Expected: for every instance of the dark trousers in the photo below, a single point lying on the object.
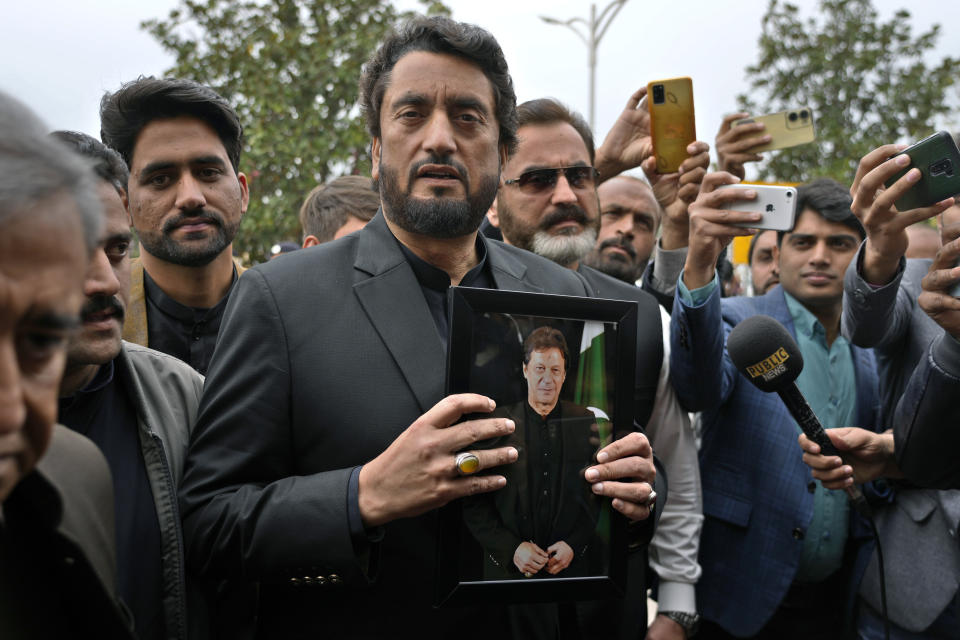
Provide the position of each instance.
(811, 611)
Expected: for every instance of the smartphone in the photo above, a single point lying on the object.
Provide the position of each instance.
(672, 125)
(777, 204)
(938, 159)
(786, 129)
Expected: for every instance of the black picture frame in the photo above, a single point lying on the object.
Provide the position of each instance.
(487, 329)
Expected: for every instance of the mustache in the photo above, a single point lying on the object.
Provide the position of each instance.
(438, 160)
(563, 214)
(99, 303)
(201, 215)
(622, 243)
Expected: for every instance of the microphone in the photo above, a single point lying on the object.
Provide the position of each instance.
(768, 356)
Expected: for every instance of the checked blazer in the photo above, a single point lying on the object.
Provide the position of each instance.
(757, 492)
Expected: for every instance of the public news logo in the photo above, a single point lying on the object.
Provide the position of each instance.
(770, 367)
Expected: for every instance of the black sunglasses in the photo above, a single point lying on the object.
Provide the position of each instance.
(541, 180)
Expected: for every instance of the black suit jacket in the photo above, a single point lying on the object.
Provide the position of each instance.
(502, 520)
(57, 548)
(324, 358)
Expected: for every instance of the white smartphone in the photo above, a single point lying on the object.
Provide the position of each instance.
(777, 204)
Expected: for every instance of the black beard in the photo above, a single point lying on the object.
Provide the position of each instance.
(438, 217)
(162, 245)
(615, 267)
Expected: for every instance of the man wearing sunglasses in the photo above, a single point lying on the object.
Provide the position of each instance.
(548, 204)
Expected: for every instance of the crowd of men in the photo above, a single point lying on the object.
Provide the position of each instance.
(193, 450)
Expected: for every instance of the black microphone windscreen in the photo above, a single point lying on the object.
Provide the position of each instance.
(765, 352)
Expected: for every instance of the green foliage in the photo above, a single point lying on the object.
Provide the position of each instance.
(868, 82)
(291, 69)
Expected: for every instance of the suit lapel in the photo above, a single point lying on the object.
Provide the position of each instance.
(393, 301)
(507, 271)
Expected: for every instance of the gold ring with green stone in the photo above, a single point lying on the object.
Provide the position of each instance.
(467, 463)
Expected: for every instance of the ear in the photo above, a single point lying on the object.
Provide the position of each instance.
(492, 216)
(375, 158)
(244, 192)
(503, 160)
(310, 241)
(126, 206)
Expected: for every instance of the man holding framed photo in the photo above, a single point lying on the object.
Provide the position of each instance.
(324, 442)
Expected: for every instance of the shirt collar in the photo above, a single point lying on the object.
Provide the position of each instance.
(173, 308)
(437, 279)
(804, 321)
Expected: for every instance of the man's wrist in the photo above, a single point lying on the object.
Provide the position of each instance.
(878, 268)
(696, 277)
(674, 235)
(690, 622)
(607, 167)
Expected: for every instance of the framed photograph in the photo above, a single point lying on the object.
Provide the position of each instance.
(562, 368)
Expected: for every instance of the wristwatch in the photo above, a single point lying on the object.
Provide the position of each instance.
(689, 621)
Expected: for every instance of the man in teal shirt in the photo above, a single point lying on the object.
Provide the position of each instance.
(774, 540)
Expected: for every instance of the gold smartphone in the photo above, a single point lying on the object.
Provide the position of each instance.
(672, 123)
(786, 129)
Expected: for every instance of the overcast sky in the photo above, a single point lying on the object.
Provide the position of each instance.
(60, 56)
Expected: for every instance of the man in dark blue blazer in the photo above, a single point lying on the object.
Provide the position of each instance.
(773, 540)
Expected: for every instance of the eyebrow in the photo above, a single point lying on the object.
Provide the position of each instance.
(163, 165)
(543, 167)
(467, 102)
(409, 99)
(125, 236)
(836, 236)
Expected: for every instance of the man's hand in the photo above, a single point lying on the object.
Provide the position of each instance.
(873, 204)
(734, 144)
(868, 456)
(628, 143)
(675, 191)
(631, 459)
(663, 628)
(529, 558)
(561, 555)
(711, 227)
(935, 299)
(417, 472)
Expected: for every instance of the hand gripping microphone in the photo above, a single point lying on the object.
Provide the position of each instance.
(768, 356)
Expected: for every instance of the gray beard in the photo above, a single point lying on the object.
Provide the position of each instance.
(564, 249)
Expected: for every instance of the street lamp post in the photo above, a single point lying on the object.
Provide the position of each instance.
(595, 29)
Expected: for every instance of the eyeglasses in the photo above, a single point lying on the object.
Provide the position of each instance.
(543, 180)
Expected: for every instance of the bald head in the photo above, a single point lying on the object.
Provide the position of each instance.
(629, 219)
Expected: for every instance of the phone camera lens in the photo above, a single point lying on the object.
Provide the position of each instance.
(804, 114)
(793, 116)
(658, 94)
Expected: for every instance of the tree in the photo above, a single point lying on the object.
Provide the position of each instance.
(291, 69)
(866, 81)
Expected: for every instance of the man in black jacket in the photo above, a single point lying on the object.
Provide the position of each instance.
(324, 442)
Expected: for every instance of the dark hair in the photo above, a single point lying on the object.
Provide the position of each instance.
(35, 168)
(548, 111)
(107, 163)
(327, 206)
(124, 113)
(831, 200)
(544, 338)
(753, 245)
(439, 34)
